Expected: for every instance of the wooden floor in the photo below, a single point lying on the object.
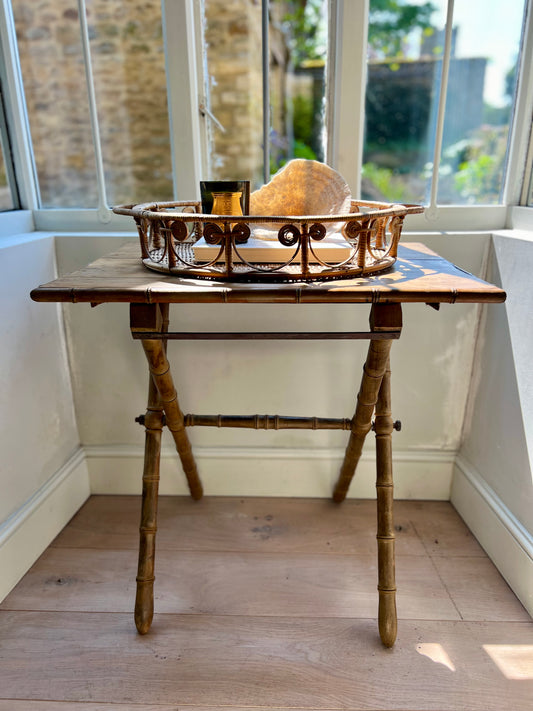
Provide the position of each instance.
(263, 603)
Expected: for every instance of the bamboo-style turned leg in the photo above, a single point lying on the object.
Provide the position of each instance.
(373, 370)
(387, 619)
(153, 422)
(144, 600)
(150, 318)
(162, 400)
(383, 317)
(162, 377)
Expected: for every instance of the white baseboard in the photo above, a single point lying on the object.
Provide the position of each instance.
(241, 471)
(27, 532)
(506, 541)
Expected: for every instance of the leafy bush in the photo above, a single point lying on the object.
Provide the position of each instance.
(386, 184)
(471, 170)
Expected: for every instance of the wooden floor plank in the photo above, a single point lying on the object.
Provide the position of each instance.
(273, 597)
(440, 529)
(224, 661)
(25, 705)
(479, 591)
(231, 584)
(234, 524)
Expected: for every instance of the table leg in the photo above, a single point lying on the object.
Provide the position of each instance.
(383, 318)
(162, 377)
(387, 619)
(144, 600)
(374, 368)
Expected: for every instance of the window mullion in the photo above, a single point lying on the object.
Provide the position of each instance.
(202, 94)
(7, 154)
(182, 33)
(265, 52)
(441, 113)
(346, 84)
(16, 113)
(104, 212)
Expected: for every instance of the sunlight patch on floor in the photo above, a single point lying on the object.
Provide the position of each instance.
(436, 653)
(515, 661)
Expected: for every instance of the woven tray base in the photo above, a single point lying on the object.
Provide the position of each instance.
(158, 262)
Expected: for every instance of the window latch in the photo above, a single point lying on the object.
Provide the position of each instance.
(204, 111)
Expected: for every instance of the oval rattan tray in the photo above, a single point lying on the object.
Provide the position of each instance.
(176, 238)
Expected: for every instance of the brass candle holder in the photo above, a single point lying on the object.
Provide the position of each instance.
(226, 203)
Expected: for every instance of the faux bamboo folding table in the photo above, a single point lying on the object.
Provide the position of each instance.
(419, 275)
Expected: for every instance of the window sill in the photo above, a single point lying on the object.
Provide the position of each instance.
(457, 219)
(16, 222)
(521, 218)
(451, 219)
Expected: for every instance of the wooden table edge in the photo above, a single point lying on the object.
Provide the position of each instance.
(45, 294)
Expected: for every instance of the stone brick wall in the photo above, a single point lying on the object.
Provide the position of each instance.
(129, 77)
(233, 37)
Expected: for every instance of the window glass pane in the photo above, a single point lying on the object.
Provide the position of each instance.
(482, 84)
(405, 46)
(128, 61)
(403, 66)
(298, 40)
(130, 85)
(6, 196)
(298, 46)
(54, 82)
(233, 45)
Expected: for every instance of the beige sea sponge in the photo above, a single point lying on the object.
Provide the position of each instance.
(303, 187)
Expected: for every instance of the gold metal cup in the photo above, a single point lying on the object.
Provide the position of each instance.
(226, 203)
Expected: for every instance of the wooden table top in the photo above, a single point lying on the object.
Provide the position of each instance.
(419, 275)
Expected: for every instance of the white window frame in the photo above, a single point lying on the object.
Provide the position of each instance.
(189, 128)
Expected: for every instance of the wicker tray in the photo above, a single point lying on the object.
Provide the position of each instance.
(168, 232)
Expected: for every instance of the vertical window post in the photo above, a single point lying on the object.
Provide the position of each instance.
(346, 85)
(519, 165)
(104, 213)
(266, 89)
(431, 210)
(181, 35)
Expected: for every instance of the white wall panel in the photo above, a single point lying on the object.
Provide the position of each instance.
(500, 417)
(38, 431)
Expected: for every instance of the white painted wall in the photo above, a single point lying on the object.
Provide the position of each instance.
(38, 432)
(493, 482)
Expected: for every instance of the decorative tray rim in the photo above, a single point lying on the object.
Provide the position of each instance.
(371, 232)
(158, 210)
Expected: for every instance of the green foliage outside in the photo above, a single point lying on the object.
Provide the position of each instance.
(302, 124)
(305, 30)
(471, 170)
(479, 172)
(391, 21)
(388, 184)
